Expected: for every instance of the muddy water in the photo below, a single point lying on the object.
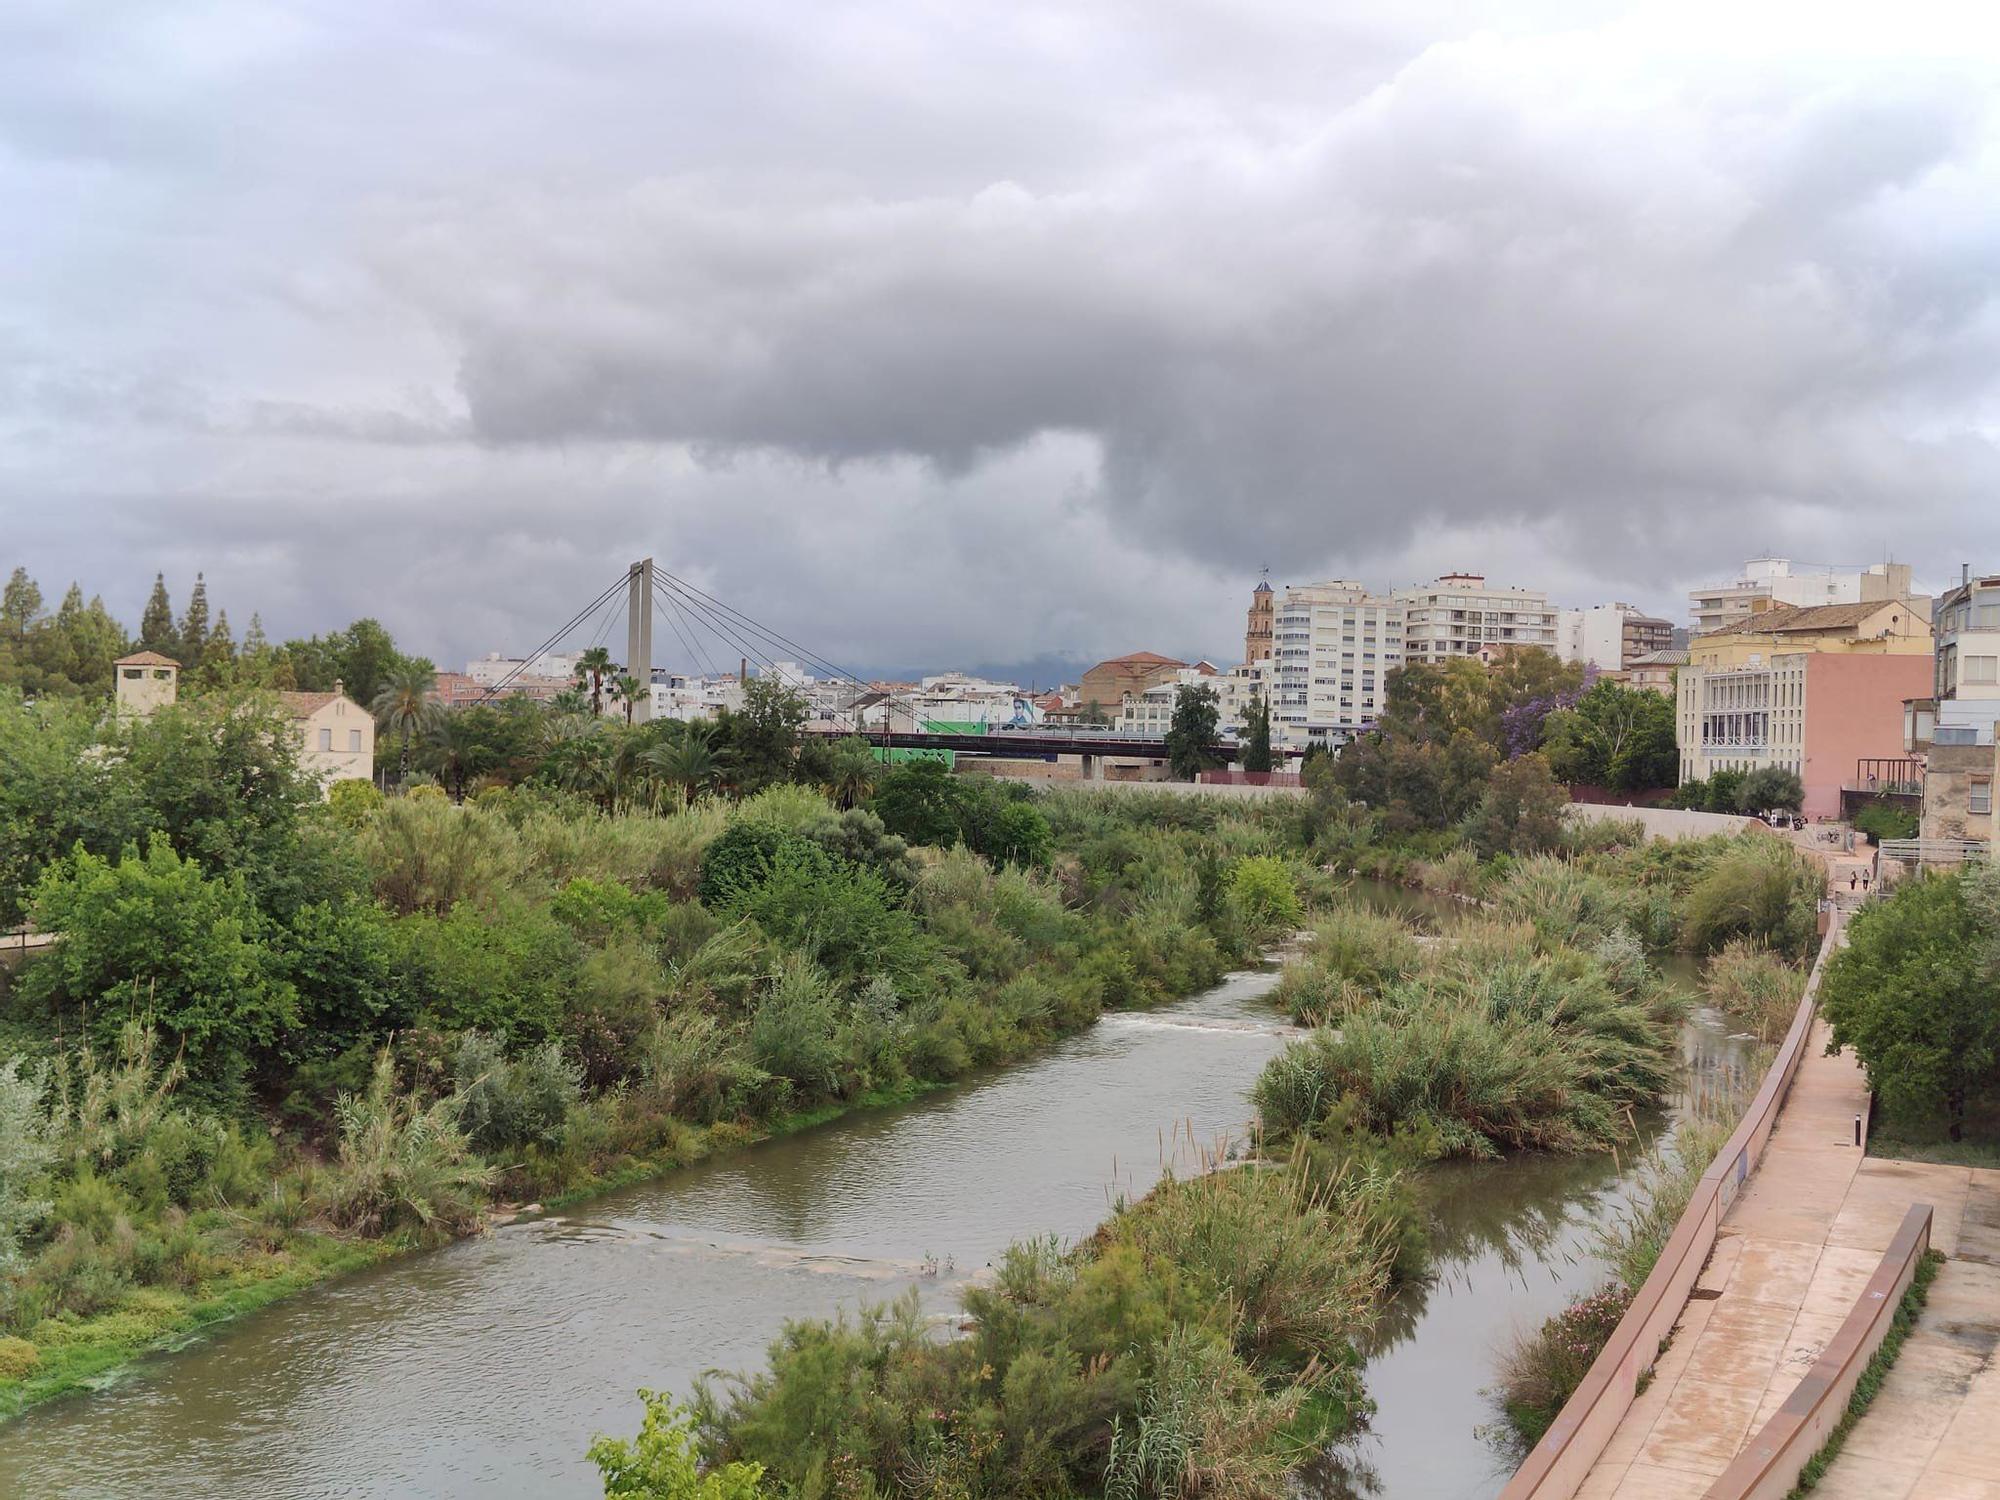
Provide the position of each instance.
(485, 1369)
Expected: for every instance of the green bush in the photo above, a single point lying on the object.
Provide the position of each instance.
(794, 1032)
(506, 1104)
(1262, 896)
(403, 1164)
(1544, 1368)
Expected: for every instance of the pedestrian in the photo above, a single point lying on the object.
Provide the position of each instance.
(1864, 883)
(1853, 880)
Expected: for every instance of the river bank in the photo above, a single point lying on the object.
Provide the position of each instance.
(485, 1368)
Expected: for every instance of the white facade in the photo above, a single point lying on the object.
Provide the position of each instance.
(1609, 636)
(1151, 713)
(1461, 614)
(1783, 581)
(551, 666)
(1742, 718)
(1968, 642)
(1333, 646)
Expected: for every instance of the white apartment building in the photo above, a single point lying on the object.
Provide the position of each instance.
(1333, 646)
(551, 666)
(1152, 712)
(1783, 581)
(1610, 637)
(1461, 614)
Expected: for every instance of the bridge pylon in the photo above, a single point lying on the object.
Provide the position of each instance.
(639, 637)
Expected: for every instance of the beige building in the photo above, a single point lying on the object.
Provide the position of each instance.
(1655, 671)
(1106, 685)
(1808, 690)
(1952, 733)
(1461, 614)
(146, 681)
(336, 735)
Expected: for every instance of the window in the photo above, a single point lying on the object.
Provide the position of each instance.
(326, 739)
(1980, 668)
(135, 672)
(1979, 800)
(354, 742)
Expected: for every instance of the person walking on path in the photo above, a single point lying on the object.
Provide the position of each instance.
(1853, 879)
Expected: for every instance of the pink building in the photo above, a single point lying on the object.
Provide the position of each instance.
(1853, 711)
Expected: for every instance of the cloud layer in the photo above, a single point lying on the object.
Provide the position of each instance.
(974, 333)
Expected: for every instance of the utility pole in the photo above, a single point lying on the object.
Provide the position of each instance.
(639, 637)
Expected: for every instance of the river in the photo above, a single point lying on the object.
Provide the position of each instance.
(484, 1369)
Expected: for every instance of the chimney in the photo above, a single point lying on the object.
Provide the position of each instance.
(1964, 574)
(339, 688)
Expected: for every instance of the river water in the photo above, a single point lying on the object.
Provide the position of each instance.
(484, 1369)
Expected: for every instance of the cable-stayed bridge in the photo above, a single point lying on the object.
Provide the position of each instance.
(710, 630)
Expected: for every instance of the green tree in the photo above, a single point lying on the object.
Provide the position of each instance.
(1521, 811)
(150, 938)
(625, 689)
(854, 769)
(362, 659)
(664, 1463)
(762, 739)
(683, 760)
(1192, 731)
(1914, 994)
(218, 657)
(1616, 737)
(1770, 787)
(156, 625)
(593, 669)
(192, 636)
(20, 607)
(1257, 735)
(919, 801)
(404, 707)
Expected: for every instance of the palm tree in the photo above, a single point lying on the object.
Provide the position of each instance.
(625, 688)
(851, 776)
(454, 743)
(685, 759)
(404, 706)
(591, 669)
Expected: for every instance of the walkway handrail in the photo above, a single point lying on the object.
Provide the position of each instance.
(1770, 1463)
(1558, 1463)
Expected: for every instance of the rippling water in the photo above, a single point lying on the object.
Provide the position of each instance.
(485, 1369)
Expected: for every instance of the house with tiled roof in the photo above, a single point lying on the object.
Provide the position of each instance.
(336, 735)
(145, 681)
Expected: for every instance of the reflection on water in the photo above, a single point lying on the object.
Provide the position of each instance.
(1514, 1243)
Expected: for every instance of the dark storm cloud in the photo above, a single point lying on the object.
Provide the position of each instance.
(1053, 322)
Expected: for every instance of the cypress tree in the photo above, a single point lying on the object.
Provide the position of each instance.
(194, 626)
(156, 625)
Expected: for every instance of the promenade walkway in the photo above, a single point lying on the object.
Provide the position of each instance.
(1794, 1250)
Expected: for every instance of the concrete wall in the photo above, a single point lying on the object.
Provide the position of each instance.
(1854, 710)
(1667, 822)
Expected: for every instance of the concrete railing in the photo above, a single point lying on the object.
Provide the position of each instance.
(1769, 1465)
(1558, 1463)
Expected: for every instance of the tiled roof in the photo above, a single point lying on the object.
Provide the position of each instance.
(305, 705)
(1143, 659)
(1661, 659)
(145, 659)
(1787, 619)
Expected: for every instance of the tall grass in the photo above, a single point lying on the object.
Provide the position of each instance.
(1489, 1041)
(1755, 986)
(1353, 953)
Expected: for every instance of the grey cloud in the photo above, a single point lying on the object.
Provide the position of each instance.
(1050, 324)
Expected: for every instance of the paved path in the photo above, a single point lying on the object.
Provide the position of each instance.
(1795, 1249)
(1933, 1431)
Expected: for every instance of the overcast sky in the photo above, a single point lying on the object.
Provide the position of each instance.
(941, 332)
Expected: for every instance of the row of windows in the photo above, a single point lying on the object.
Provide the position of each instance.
(353, 741)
